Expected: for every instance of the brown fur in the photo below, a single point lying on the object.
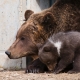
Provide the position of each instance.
(64, 15)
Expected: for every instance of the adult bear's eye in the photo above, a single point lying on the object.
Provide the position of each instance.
(22, 38)
(48, 62)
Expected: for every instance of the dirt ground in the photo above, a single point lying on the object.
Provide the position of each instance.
(20, 75)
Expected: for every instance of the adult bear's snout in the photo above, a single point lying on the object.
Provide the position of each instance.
(8, 53)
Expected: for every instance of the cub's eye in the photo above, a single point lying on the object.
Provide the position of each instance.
(22, 38)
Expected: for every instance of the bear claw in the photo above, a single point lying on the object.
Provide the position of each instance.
(32, 71)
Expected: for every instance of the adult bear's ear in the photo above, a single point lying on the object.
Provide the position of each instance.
(48, 21)
(27, 14)
(48, 16)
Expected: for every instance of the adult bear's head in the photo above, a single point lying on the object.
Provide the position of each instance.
(35, 30)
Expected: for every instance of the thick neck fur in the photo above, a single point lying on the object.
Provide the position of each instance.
(66, 14)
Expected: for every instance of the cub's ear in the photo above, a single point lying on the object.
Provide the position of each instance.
(48, 21)
(47, 49)
(27, 14)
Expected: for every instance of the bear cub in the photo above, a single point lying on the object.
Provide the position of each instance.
(63, 46)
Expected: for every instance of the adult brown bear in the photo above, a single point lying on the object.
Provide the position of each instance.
(64, 15)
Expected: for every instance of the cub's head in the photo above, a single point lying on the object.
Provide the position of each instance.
(48, 55)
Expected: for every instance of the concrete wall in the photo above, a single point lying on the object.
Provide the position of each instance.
(11, 17)
(10, 21)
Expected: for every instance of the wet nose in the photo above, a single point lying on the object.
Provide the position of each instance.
(8, 53)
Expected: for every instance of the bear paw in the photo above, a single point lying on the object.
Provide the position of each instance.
(32, 69)
(36, 67)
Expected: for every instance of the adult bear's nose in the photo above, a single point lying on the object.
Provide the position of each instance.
(8, 53)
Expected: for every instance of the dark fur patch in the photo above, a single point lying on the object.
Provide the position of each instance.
(69, 52)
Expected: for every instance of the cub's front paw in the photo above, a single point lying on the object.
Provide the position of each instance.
(56, 71)
(72, 71)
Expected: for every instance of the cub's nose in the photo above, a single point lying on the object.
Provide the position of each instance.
(8, 53)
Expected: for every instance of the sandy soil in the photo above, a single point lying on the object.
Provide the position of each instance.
(20, 75)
